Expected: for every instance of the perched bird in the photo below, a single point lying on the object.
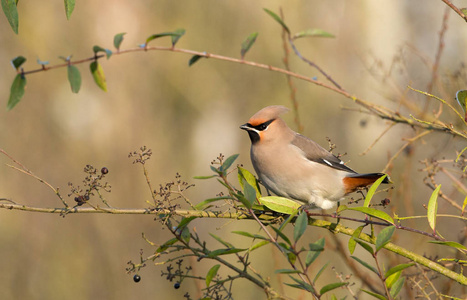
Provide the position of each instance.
(293, 166)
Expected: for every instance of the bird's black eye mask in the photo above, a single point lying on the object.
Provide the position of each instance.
(262, 126)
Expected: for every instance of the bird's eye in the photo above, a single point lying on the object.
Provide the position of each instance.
(262, 127)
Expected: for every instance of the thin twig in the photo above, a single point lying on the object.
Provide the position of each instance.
(456, 9)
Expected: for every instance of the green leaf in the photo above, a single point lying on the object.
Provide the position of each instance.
(397, 268)
(464, 205)
(247, 234)
(461, 96)
(219, 252)
(288, 220)
(371, 212)
(211, 274)
(384, 237)
(244, 174)
(278, 19)
(303, 285)
(194, 59)
(396, 287)
(365, 264)
(433, 208)
(372, 190)
(331, 286)
(180, 32)
(282, 235)
(311, 256)
(320, 272)
(18, 61)
(312, 33)
(227, 244)
(389, 281)
(315, 247)
(258, 245)
(98, 75)
(184, 222)
(286, 271)
(74, 77)
(250, 193)
(247, 43)
(204, 177)
(69, 7)
(301, 223)
(185, 235)
(228, 162)
(381, 297)
(244, 201)
(118, 39)
(98, 49)
(202, 204)
(16, 91)
(11, 13)
(365, 246)
(450, 244)
(166, 245)
(159, 35)
(280, 204)
(352, 241)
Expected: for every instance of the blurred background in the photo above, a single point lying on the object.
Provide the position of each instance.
(188, 115)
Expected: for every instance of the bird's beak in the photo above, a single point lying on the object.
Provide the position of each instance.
(245, 127)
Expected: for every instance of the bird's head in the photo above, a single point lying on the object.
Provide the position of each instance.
(266, 125)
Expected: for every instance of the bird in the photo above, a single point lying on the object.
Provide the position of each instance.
(293, 166)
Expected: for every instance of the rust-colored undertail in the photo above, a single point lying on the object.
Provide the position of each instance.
(356, 181)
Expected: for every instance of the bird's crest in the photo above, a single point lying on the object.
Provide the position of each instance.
(268, 113)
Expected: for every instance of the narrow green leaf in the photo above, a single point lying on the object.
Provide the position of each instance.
(228, 162)
(194, 59)
(278, 19)
(247, 43)
(311, 256)
(304, 285)
(98, 75)
(166, 245)
(244, 174)
(396, 287)
(282, 235)
(433, 208)
(464, 205)
(227, 244)
(389, 281)
(118, 39)
(214, 169)
(312, 33)
(292, 257)
(397, 268)
(11, 13)
(280, 204)
(185, 235)
(69, 7)
(365, 264)
(202, 204)
(250, 192)
(381, 297)
(372, 191)
(98, 49)
(352, 241)
(159, 35)
(211, 274)
(365, 246)
(331, 286)
(301, 223)
(204, 177)
(244, 201)
(288, 220)
(250, 235)
(74, 77)
(219, 252)
(18, 61)
(16, 91)
(371, 212)
(450, 244)
(384, 237)
(180, 32)
(315, 247)
(184, 222)
(461, 96)
(258, 245)
(286, 271)
(320, 272)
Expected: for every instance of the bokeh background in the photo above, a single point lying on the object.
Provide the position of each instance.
(188, 115)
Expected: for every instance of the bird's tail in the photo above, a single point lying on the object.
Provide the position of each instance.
(353, 182)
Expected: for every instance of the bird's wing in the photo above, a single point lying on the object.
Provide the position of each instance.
(316, 153)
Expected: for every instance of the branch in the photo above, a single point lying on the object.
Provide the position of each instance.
(456, 9)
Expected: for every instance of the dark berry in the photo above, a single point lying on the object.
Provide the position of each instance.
(177, 285)
(136, 278)
(76, 199)
(86, 197)
(104, 170)
(385, 201)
